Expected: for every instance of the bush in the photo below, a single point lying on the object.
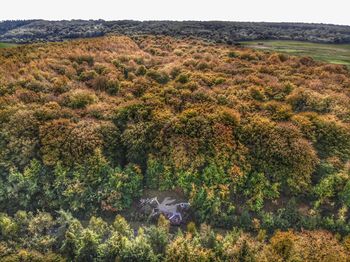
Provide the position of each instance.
(183, 78)
(284, 244)
(88, 75)
(102, 83)
(83, 58)
(308, 100)
(159, 77)
(184, 248)
(333, 138)
(141, 70)
(68, 142)
(8, 227)
(232, 54)
(137, 249)
(79, 98)
(281, 151)
(279, 111)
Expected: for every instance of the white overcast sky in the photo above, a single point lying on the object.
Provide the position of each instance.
(318, 11)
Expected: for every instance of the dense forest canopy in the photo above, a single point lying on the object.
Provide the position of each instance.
(28, 31)
(255, 140)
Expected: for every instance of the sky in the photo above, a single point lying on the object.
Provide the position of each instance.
(310, 11)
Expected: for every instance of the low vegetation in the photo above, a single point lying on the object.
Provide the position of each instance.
(40, 237)
(254, 140)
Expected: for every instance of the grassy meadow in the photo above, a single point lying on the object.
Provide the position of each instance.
(330, 53)
(4, 45)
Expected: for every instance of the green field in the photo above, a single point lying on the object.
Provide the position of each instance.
(331, 53)
(3, 45)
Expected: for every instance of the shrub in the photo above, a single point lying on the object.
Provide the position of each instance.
(68, 142)
(102, 83)
(141, 70)
(83, 58)
(137, 249)
(159, 77)
(183, 78)
(333, 137)
(202, 66)
(88, 75)
(280, 150)
(278, 111)
(232, 54)
(307, 100)
(248, 56)
(8, 227)
(284, 244)
(79, 98)
(184, 248)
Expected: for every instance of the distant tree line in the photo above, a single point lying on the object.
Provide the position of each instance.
(215, 31)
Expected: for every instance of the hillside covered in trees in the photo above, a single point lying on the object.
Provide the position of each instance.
(256, 141)
(28, 31)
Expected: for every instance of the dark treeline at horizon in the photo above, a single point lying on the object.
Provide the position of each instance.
(28, 31)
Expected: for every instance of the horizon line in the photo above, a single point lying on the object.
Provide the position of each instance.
(162, 20)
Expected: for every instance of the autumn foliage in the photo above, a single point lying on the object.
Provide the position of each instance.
(252, 138)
